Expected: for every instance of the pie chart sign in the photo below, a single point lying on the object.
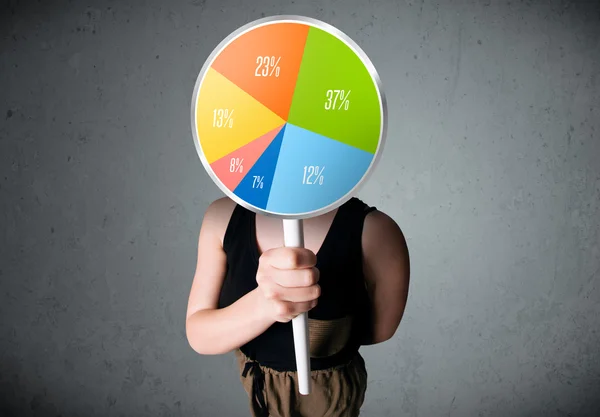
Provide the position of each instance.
(288, 116)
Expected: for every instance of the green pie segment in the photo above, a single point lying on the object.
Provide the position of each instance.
(335, 95)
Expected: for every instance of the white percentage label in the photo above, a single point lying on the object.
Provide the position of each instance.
(258, 182)
(313, 175)
(267, 66)
(222, 118)
(337, 99)
(235, 165)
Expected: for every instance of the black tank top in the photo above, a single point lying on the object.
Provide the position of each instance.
(343, 291)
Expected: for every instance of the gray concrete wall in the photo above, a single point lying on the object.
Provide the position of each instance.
(492, 169)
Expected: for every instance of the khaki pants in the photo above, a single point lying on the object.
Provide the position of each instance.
(336, 392)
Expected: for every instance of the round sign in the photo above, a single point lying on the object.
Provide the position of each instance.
(288, 116)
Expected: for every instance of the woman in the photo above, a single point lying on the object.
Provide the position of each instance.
(352, 278)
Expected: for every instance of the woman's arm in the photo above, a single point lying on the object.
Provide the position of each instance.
(386, 267)
(210, 330)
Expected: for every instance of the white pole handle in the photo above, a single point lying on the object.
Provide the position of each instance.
(293, 236)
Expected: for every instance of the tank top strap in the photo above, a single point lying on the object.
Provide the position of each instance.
(346, 235)
(239, 226)
(357, 210)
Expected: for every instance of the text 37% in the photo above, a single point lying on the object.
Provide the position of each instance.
(337, 100)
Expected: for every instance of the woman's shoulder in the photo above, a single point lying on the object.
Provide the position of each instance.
(217, 216)
(377, 223)
(223, 206)
(380, 229)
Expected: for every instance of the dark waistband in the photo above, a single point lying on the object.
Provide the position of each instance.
(316, 364)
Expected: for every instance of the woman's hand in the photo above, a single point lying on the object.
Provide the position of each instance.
(287, 281)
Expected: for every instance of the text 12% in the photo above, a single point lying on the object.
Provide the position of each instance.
(313, 175)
